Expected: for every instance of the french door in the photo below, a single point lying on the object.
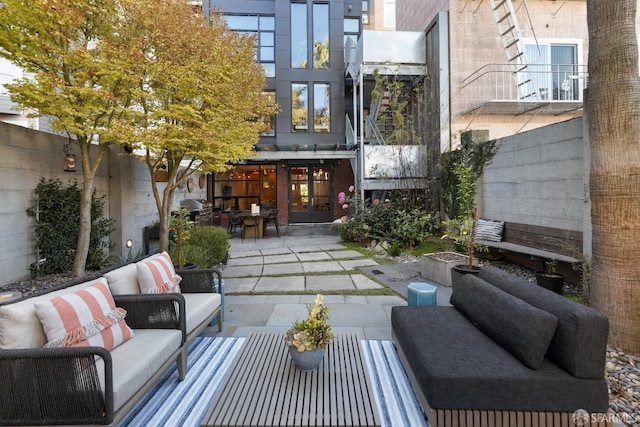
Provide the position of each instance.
(310, 193)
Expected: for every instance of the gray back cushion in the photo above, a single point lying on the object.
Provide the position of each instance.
(580, 343)
(520, 328)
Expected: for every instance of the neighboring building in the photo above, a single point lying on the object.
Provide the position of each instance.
(500, 67)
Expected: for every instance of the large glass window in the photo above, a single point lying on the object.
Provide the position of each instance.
(321, 107)
(299, 107)
(270, 120)
(351, 30)
(320, 35)
(299, 47)
(263, 28)
(554, 70)
(243, 185)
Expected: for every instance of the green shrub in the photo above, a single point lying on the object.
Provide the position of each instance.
(411, 228)
(57, 214)
(355, 230)
(205, 247)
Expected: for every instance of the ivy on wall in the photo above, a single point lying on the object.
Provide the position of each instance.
(57, 214)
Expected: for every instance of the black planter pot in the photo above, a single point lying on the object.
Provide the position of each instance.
(551, 281)
(464, 269)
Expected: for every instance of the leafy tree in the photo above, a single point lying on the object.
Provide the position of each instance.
(199, 94)
(59, 44)
(613, 110)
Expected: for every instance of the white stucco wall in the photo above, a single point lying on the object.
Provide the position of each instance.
(537, 178)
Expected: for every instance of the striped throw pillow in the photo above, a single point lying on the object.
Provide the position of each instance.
(489, 230)
(88, 317)
(156, 275)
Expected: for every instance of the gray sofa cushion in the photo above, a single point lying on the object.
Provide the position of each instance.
(457, 366)
(522, 329)
(580, 342)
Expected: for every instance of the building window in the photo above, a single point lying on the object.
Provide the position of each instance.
(263, 28)
(299, 107)
(270, 119)
(243, 185)
(321, 107)
(351, 30)
(365, 12)
(321, 55)
(390, 13)
(554, 71)
(299, 47)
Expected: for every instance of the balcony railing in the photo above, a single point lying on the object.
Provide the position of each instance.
(537, 88)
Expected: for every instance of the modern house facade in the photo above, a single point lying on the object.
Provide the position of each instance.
(302, 162)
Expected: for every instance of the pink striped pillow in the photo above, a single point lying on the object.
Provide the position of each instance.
(156, 275)
(88, 317)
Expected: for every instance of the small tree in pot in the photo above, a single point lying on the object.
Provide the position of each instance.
(549, 278)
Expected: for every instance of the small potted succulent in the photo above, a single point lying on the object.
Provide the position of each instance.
(307, 339)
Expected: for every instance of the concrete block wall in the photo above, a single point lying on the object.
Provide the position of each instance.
(538, 178)
(27, 155)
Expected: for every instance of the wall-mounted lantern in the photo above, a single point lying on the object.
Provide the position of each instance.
(69, 158)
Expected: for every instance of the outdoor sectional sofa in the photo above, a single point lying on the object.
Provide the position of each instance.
(508, 352)
(91, 382)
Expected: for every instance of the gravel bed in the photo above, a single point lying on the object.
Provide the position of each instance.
(623, 370)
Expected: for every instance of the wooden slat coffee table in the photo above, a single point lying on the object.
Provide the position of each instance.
(263, 388)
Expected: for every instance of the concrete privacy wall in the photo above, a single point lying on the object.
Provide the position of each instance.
(538, 177)
(28, 155)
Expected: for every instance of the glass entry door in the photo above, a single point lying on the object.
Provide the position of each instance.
(310, 193)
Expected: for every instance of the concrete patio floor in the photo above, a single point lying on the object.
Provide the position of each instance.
(309, 258)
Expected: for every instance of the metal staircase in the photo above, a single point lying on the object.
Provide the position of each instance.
(511, 36)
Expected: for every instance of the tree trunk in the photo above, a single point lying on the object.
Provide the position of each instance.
(84, 228)
(613, 113)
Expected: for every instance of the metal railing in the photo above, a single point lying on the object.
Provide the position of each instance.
(546, 83)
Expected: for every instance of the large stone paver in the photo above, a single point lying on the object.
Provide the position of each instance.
(329, 282)
(313, 256)
(345, 254)
(279, 259)
(322, 266)
(282, 284)
(285, 314)
(244, 253)
(302, 249)
(240, 285)
(277, 269)
(360, 315)
(242, 271)
(361, 281)
(252, 260)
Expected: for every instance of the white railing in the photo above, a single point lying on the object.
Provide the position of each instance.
(498, 83)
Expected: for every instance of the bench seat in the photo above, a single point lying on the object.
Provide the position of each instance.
(527, 250)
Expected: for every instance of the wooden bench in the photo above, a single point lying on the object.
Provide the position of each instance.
(532, 246)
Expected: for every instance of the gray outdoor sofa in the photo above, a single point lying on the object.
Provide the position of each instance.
(507, 353)
(90, 385)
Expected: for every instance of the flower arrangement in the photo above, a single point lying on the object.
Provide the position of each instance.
(313, 332)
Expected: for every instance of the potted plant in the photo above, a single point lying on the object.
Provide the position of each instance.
(307, 339)
(469, 267)
(549, 278)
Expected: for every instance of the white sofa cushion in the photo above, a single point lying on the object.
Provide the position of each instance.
(124, 280)
(138, 359)
(20, 326)
(198, 307)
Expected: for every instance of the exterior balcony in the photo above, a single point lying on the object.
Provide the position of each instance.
(535, 89)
